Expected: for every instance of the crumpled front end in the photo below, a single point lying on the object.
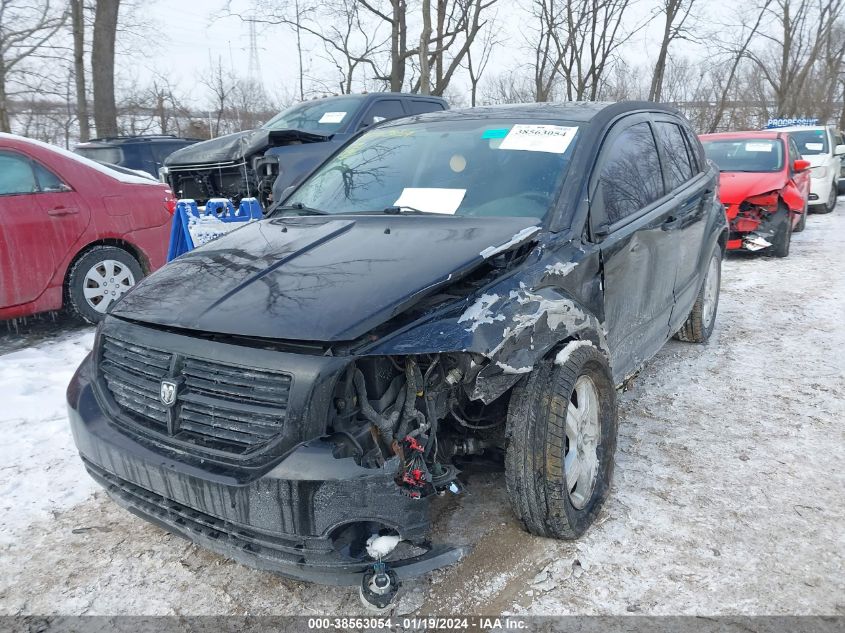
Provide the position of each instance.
(236, 462)
(754, 222)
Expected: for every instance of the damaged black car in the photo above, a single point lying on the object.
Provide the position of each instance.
(262, 163)
(468, 283)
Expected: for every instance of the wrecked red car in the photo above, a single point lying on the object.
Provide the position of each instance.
(764, 184)
(73, 232)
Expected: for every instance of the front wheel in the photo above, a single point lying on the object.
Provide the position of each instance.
(561, 432)
(832, 199)
(802, 223)
(783, 238)
(99, 278)
(702, 318)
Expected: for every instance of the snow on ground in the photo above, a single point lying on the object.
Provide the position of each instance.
(39, 470)
(727, 497)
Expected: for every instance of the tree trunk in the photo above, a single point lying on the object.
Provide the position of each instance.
(78, 22)
(5, 123)
(102, 67)
(425, 36)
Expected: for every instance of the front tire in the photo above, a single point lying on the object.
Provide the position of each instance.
(98, 279)
(783, 238)
(802, 223)
(561, 430)
(832, 198)
(702, 318)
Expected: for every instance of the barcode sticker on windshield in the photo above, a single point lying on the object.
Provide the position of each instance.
(539, 138)
(758, 147)
(431, 199)
(332, 117)
(814, 147)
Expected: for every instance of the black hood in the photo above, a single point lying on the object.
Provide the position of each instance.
(237, 146)
(316, 278)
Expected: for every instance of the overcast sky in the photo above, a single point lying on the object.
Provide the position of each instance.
(181, 36)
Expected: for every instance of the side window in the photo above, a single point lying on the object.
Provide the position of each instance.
(630, 178)
(47, 180)
(696, 155)
(674, 150)
(16, 175)
(794, 152)
(382, 111)
(421, 107)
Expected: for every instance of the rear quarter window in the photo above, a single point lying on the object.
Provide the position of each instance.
(421, 107)
(102, 154)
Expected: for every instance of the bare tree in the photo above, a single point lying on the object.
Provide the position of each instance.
(799, 34)
(675, 26)
(102, 66)
(25, 27)
(77, 12)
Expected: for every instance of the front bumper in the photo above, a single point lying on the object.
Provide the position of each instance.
(293, 519)
(819, 190)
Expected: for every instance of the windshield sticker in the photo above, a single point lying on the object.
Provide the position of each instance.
(758, 147)
(332, 117)
(431, 200)
(495, 133)
(539, 138)
(816, 147)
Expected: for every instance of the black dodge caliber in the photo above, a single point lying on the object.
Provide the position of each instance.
(293, 394)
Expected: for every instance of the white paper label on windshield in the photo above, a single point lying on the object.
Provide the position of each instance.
(539, 138)
(815, 147)
(759, 147)
(332, 117)
(432, 200)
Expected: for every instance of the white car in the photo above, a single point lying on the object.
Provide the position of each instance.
(818, 144)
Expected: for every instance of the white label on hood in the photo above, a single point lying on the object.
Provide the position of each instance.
(432, 200)
(332, 117)
(759, 147)
(539, 138)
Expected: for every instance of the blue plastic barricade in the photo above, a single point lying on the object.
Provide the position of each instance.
(194, 226)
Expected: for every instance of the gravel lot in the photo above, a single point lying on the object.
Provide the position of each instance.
(728, 497)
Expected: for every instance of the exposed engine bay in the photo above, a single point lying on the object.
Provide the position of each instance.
(418, 409)
(198, 172)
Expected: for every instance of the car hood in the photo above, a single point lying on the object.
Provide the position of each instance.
(318, 278)
(236, 147)
(734, 187)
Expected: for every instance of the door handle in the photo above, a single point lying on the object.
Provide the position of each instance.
(61, 210)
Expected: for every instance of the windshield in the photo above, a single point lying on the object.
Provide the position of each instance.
(810, 141)
(324, 116)
(468, 167)
(764, 155)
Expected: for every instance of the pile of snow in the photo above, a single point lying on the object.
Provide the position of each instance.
(41, 471)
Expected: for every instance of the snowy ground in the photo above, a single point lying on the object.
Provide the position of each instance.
(728, 497)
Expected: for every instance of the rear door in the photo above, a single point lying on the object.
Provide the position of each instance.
(629, 214)
(693, 193)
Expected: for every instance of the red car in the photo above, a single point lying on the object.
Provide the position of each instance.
(764, 185)
(74, 232)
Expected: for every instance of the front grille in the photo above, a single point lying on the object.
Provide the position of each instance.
(286, 548)
(220, 406)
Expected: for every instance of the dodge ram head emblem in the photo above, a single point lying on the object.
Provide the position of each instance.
(167, 395)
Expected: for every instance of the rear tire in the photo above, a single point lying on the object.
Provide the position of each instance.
(702, 318)
(98, 278)
(560, 451)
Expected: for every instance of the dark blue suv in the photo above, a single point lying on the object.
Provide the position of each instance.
(141, 153)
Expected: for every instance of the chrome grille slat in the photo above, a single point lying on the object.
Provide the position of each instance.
(223, 406)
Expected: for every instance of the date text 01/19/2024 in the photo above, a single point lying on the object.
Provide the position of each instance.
(422, 623)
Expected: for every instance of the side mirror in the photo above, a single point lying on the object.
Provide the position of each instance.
(839, 151)
(804, 165)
